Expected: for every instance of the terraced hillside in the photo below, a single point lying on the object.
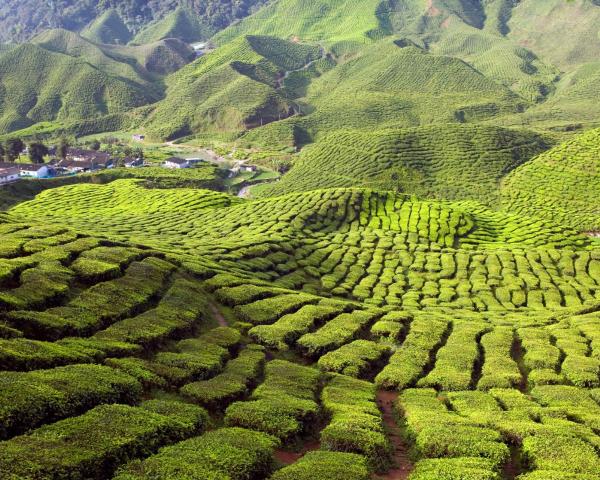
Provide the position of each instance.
(235, 88)
(63, 77)
(165, 328)
(451, 162)
(382, 248)
(561, 184)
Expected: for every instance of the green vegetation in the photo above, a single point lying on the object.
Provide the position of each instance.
(559, 184)
(412, 291)
(108, 28)
(182, 23)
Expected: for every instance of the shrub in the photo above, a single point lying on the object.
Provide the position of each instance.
(225, 453)
(355, 359)
(356, 425)
(93, 444)
(321, 465)
(30, 399)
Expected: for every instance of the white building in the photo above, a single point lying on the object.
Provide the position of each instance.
(9, 175)
(176, 162)
(34, 170)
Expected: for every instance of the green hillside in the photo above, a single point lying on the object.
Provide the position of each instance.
(39, 85)
(451, 162)
(64, 77)
(561, 184)
(108, 28)
(341, 25)
(232, 89)
(181, 23)
(411, 292)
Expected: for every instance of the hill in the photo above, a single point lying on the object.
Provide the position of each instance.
(63, 77)
(232, 89)
(21, 20)
(108, 28)
(182, 23)
(451, 162)
(202, 322)
(561, 184)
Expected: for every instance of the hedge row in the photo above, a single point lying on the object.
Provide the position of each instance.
(101, 304)
(337, 332)
(30, 399)
(227, 453)
(541, 358)
(320, 465)
(268, 310)
(356, 359)
(292, 326)
(499, 369)
(239, 374)
(455, 361)
(25, 354)
(94, 444)
(356, 425)
(283, 406)
(438, 432)
(409, 361)
(392, 326)
(176, 314)
(198, 358)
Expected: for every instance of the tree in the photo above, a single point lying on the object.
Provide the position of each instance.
(95, 145)
(63, 148)
(37, 152)
(14, 147)
(2, 152)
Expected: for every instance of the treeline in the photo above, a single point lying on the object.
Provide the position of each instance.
(22, 19)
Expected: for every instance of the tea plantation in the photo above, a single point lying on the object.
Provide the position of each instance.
(338, 333)
(410, 292)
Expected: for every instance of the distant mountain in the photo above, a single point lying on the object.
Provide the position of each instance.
(62, 76)
(20, 20)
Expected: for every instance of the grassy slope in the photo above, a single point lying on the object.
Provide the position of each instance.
(64, 77)
(108, 28)
(39, 85)
(230, 88)
(447, 161)
(562, 184)
(181, 23)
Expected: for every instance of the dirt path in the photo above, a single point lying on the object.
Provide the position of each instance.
(218, 316)
(287, 458)
(403, 465)
(286, 74)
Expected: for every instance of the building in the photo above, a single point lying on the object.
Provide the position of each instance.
(79, 166)
(176, 162)
(248, 168)
(138, 137)
(9, 175)
(133, 162)
(80, 155)
(34, 170)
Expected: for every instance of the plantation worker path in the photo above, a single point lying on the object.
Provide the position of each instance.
(287, 73)
(400, 454)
